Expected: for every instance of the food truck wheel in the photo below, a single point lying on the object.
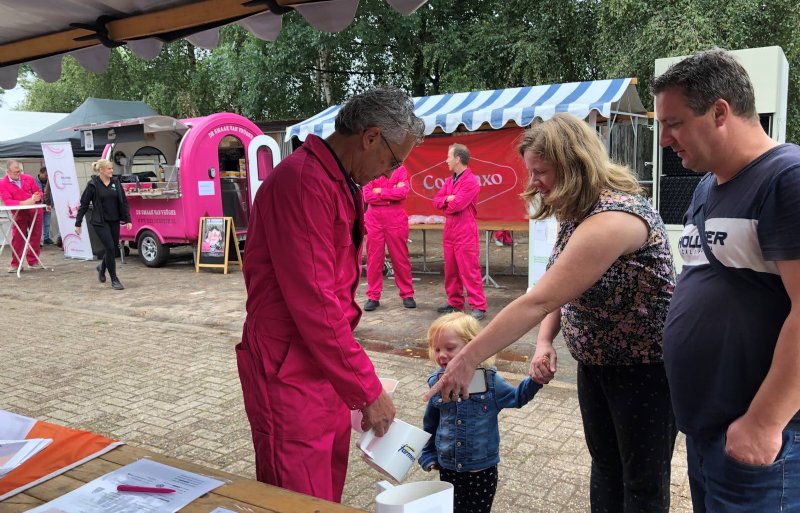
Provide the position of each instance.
(151, 251)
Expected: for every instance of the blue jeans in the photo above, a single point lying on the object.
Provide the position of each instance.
(46, 225)
(721, 484)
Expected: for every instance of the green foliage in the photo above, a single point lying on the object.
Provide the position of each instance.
(446, 46)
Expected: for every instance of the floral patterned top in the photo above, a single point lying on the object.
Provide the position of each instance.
(620, 319)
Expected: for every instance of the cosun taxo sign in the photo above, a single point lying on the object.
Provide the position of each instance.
(493, 160)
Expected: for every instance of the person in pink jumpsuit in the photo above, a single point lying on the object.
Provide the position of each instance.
(300, 367)
(387, 226)
(458, 197)
(17, 188)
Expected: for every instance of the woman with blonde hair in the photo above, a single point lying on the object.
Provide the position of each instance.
(608, 285)
(109, 210)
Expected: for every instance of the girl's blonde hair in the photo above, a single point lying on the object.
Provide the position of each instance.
(100, 164)
(464, 326)
(582, 167)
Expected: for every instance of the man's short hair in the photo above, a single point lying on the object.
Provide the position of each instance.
(11, 162)
(708, 76)
(389, 109)
(461, 153)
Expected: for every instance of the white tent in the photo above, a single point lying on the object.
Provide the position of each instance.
(18, 123)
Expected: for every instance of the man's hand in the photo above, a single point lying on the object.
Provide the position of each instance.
(400, 184)
(543, 365)
(376, 190)
(750, 443)
(48, 208)
(128, 226)
(36, 197)
(450, 198)
(77, 230)
(379, 415)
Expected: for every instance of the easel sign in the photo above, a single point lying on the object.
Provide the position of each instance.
(216, 240)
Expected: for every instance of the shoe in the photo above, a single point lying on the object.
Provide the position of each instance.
(101, 273)
(49, 242)
(13, 269)
(479, 314)
(116, 285)
(448, 308)
(371, 305)
(498, 243)
(409, 302)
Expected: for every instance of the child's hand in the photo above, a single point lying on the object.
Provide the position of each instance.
(543, 364)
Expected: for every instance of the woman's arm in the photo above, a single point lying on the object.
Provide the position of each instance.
(589, 253)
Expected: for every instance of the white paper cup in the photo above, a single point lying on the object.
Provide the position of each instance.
(419, 497)
(394, 453)
(390, 385)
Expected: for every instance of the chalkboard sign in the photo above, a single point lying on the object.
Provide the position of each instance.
(217, 244)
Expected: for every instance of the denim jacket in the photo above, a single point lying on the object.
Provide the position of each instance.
(465, 434)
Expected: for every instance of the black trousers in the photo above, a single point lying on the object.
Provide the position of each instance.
(473, 491)
(630, 431)
(108, 233)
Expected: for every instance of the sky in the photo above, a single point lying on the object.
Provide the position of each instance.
(11, 98)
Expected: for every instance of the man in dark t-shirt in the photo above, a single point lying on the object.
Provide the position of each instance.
(732, 339)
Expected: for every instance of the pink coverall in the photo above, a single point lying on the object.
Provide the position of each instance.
(462, 268)
(387, 225)
(12, 196)
(300, 367)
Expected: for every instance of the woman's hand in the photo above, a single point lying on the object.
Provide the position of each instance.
(453, 384)
(77, 230)
(543, 365)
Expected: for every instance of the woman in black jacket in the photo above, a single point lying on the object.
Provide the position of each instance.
(109, 209)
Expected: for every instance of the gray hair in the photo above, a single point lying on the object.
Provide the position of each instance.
(389, 109)
(11, 162)
(708, 76)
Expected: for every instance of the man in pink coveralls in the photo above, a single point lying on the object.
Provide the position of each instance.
(16, 189)
(301, 369)
(458, 197)
(387, 225)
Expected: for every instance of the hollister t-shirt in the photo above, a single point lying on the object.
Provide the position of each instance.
(722, 327)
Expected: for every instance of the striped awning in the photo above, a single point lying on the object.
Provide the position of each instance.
(494, 109)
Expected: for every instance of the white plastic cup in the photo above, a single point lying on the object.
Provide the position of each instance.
(394, 453)
(390, 385)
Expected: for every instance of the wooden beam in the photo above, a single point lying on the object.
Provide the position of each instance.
(134, 27)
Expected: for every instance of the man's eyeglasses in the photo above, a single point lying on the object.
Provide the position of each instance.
(395, 161)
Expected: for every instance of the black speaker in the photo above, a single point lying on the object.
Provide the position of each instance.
(675, 194)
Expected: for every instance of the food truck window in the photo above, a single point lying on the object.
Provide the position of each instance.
(147, 160)
(233, 181)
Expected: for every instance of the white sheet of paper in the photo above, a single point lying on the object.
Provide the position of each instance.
(222, 510)
(13, 426)
(205, 188)
(101, 495)
(14, 453)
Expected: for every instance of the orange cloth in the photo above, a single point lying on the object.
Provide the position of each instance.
(69, 447)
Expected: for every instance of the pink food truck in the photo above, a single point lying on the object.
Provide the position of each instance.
(176, 171)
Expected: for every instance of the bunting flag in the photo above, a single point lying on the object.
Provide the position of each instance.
(70, 448)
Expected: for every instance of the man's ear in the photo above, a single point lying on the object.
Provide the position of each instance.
(722, 112)
(370, 137)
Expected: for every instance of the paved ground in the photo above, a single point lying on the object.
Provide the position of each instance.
(154, 366)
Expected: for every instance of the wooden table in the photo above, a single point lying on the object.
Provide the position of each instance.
(238, 494)
(488, 227)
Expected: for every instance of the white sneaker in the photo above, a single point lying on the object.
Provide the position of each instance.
(498, 243)
(13, 269)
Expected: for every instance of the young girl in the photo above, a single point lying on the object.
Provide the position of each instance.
(465, 441)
